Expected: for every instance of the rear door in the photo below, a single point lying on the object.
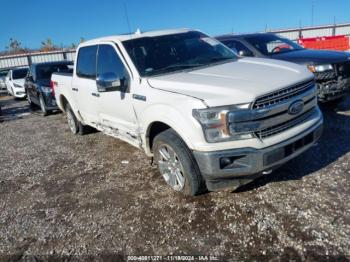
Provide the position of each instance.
(84, 89)
(115, 106)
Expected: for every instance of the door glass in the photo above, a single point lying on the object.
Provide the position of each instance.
(86, 64)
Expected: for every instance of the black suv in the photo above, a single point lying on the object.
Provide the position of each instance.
(331, 68)
(38, 84)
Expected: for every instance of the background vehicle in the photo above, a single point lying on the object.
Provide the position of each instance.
(37, 84)
(3, 74)
(15, 82)
(331, 68)
(204, 114)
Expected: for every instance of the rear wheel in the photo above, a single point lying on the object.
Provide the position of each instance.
(176, 163)
(72, 120)
(75, 126)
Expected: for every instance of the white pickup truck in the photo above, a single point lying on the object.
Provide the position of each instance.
(209, 119)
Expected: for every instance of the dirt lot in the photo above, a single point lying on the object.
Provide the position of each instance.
(94, 197)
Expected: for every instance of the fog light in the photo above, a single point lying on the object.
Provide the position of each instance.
(225, 161)
(233, 162)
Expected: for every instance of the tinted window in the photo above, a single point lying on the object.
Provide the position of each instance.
(45, 71)
(270, 44)
(236, 46)
(19, 73)
(166, 53)
(109, 64)
(3, 73)
(86, 64)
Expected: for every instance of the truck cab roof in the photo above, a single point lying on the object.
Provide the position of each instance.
(136, 35)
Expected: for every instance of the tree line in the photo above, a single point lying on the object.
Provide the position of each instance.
(15, 47)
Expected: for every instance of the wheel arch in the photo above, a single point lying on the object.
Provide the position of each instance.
(155, 128)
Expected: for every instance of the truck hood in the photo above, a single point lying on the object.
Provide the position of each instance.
(234, 82)
(310, 56)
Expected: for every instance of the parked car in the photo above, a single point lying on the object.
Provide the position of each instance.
(38, 87)
(15, 82)
(206, 116)
(3, 74)
(331, 68)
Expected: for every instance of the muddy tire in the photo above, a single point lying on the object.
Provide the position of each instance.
(176, 164)
(72, 120)
(75, 126)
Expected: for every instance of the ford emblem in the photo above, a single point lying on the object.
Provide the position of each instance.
(296, 107)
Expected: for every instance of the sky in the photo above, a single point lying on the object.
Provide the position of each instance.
(66, 21)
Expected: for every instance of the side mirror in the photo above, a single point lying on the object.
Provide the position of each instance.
(245, 53)
(108, 82)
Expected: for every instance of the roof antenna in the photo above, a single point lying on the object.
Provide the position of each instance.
(127, 17)
(130, 33)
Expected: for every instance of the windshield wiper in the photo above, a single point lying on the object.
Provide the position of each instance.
(174, 66)
(219, 59)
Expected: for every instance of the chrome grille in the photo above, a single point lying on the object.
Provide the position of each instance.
(273, 130)
(283, 94)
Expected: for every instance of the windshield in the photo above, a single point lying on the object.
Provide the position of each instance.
(19, 73)
(269, 44)
(168, 53)
(45, 71)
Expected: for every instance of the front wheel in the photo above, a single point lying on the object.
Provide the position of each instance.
(176, 163)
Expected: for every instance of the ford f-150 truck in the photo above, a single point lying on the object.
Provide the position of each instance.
(208, 118)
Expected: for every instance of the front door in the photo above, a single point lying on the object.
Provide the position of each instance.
(115, 107)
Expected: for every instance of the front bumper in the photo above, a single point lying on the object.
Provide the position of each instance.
(232, 168)
(19, 92)
(333, 89)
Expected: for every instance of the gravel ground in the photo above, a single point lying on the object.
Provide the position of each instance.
(95, 197)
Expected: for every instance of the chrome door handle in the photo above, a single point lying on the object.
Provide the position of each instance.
(75, 89)
(96, 94)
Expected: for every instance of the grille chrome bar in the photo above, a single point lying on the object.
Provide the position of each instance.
(286, 125)
(283, 94)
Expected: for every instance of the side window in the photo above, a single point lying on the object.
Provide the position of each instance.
(86, 64)
(110, 66)
(237, 46)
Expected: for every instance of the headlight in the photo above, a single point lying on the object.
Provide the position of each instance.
(320, 68)
(215, 123)
(17, 85)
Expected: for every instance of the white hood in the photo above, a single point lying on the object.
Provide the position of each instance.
(19, 82)
(235, 82)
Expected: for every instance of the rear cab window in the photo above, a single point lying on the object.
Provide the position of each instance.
(86, 63)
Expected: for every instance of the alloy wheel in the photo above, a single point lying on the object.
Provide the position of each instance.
(171, 168)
